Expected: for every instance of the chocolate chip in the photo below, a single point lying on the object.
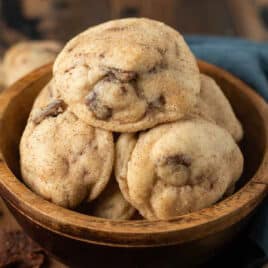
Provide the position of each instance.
(157, 103)
(72, 48)
(121, 75)
(177, 159)
(17, 250)
(153, 70)
(162, 51)
(109, 78)
(69, 69)
(91, 97)
(102, 55)
(98, 109)
(52, 109)
(211, 185)
(123, 89)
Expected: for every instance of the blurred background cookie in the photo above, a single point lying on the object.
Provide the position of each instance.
(63, 159)
(24, 57)
(178, 168)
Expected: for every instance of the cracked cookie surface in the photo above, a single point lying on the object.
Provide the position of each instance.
(127, 75)
(63, 159)
(214, 105)
(24, 57)
(177, 168)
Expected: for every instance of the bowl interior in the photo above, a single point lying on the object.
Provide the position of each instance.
(16, 104)
(252, 145)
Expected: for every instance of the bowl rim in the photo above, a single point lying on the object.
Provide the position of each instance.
(139, 233)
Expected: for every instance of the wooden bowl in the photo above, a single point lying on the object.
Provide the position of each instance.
(79, 240)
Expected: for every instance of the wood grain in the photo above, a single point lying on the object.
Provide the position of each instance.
(62, 19)
(7, 222)
(189, 16)
(204, 17)
(157, 9)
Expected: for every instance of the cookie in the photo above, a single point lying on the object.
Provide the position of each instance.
(111, 204)
(177, 168)
(128, 75)
(24, 57)
(2, 79)
(63, 159)
(45, 96)
(214, 105)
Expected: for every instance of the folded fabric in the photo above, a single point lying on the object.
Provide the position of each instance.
(246, 59)
(249, 61)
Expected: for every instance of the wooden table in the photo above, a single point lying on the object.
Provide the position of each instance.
(26, 19)
(8, 223)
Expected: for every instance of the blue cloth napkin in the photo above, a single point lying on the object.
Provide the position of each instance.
(249, 61)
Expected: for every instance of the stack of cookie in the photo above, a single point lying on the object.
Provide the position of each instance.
(24, 57)
(129, 124)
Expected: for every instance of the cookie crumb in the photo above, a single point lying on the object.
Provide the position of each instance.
(52, 109)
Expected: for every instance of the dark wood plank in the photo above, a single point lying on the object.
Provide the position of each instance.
(62, 19)
(203, 17)
(157, 9)
(249, 18)
(191, 16)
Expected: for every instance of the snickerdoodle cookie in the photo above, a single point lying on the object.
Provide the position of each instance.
(62, 158)
(177, 168)
(214, 105)
(127, 75)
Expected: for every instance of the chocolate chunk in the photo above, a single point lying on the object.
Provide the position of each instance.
(123, 90)
(52, 109)
(157, 67)
(157, 103)
(121, 75)
(98, 109)
(19, 251)
(162, 51)
(69, 69)
(177, 159)
(153, 70)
